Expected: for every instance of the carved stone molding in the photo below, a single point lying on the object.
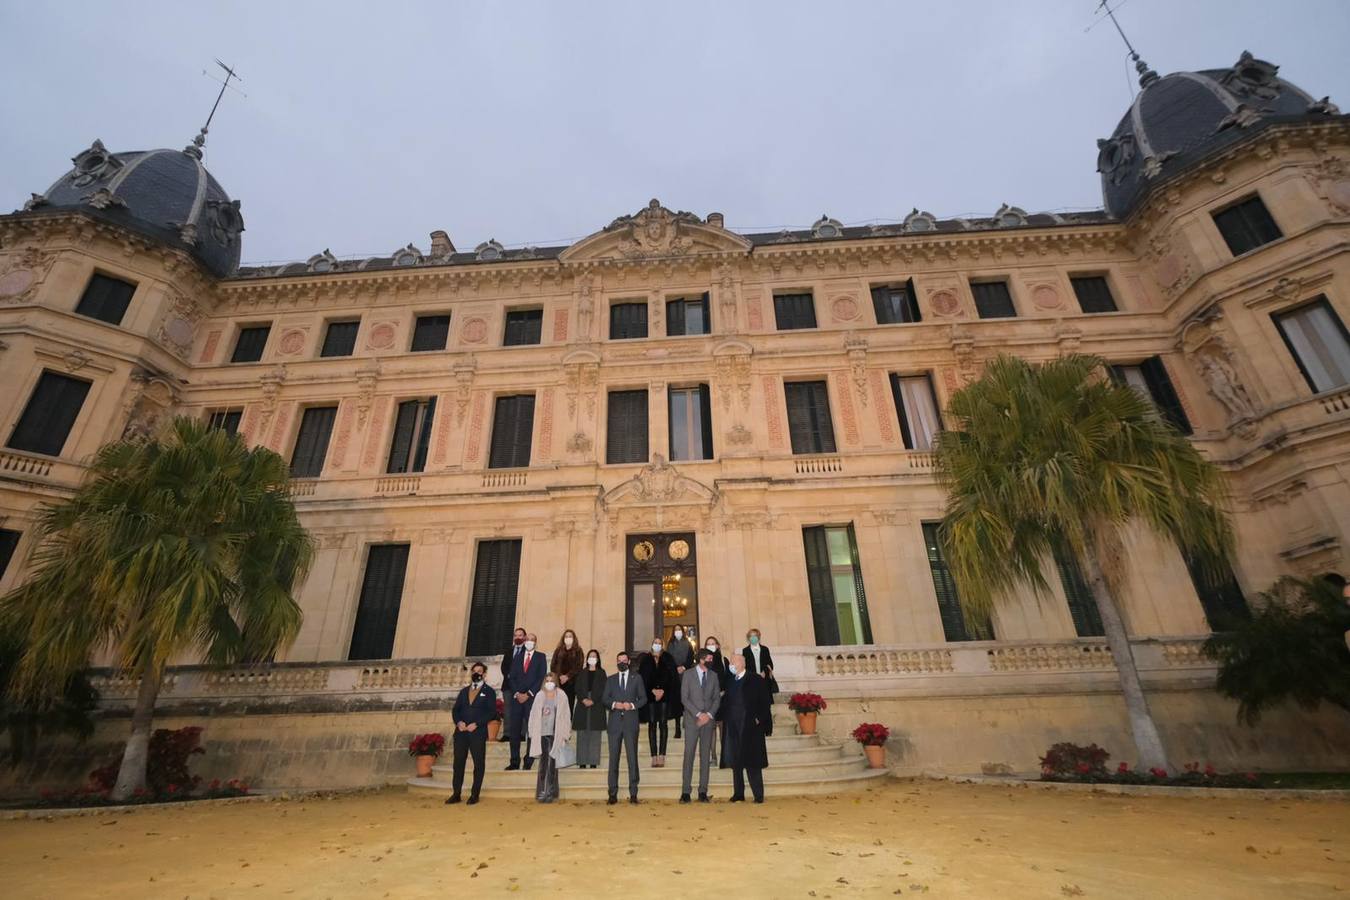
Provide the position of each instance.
(1206, 348)
(739, 436)
(179, 326)
(726, 297)
(855, 348)
(464, 372)
(149, 399)
(23, 273)
(659, 482)
(579, 443)
(366, 378)
(581, 372)
(963, 349)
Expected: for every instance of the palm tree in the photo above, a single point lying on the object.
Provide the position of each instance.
(1056, 458)
(185, 545)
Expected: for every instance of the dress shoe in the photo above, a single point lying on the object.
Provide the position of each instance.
(612, 800)
(529, 764)
(704, 798)
(472, 800)
(513, 767)
(634, 800)
(736, 799)
(684, 798)
(759, 799)
(453, 798)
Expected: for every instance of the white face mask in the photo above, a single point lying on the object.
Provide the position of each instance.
(712, 647)
(567, 642)
(592, 662)
(529, 645)
(731, 667)
(656, 648)
(549, 685)
(678, 634)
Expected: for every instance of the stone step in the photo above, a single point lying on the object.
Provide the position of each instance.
(778, 742)
(501, 753)
(593, 787)
(786, 768)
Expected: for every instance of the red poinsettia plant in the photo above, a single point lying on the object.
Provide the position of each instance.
(806, 703)
(871, 734)
(501, 708)
(427, 745)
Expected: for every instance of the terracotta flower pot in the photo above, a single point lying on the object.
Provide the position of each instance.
(424, 763)
(806, 722)
(876, 756)
(494, 729)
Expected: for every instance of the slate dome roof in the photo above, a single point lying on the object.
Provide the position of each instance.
(164, 194)
(1179, 118)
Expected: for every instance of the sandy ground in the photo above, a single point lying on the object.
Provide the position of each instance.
(939, 839)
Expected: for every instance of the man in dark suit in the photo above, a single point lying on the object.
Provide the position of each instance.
(700, 695)
(747, 717)
(508, 660)
(527, 677)
(475, 707)
(624, 696)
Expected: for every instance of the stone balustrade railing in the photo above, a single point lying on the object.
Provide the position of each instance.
(818, 465)
(1337, 402)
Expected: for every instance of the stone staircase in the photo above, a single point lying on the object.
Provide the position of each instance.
(799, 765)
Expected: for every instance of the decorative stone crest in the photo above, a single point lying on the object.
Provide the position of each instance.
(382, 336)
(224, 220)
(76, 360)
(1204, 345)
(93, 164)
(464, 372)
(944, 303)
(1046, 296)
(149, 399)
(659, 482)
(179, 326)
(23, 275)
(920, 221)
(844, 309)
(475, 330)
(855, 348)
(825, 227)
(654, 231)
(489, 250)
(292, 341)
(103, 198)
(579, 443)
(1114, 157)
(322, 262)
(1252, 77)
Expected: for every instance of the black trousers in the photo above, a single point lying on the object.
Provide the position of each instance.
(517, 720)
(657, 726)
(470, 742)
(738, 777)
(623, 734)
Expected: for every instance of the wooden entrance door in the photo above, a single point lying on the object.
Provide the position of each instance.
(661, 591)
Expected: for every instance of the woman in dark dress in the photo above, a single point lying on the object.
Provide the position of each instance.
(759, 661)
(589, 718)
(681, 652)
(657, 670)
(567, 661)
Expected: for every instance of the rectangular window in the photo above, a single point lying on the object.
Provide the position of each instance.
(627, 320)
(626, 427)
(1246, 225)
(993, 300)
(1317, 338)
(9, 540)
(412, 435)
(50, 414)
(106, 298)
(311, 444)
(690, 423)
(688, 315)
(835, 584)
(917, 408)
(1087, 619)
(523, 327)
(248, 347)
(793, 311)
(381, 596)
(1150, 379)
(1093, 293)
(430, 333)
(492, 607)
(1221, 597)
(809, 424)
(512, 432)
(896, 303)
(954, 624)
(227, 420)
(340, 339)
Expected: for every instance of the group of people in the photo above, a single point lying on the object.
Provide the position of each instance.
(559, 708)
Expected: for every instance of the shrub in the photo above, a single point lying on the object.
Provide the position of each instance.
(1070, 762)
(806, 703)
(501, 708)
(232, 788)
(1073, 761)
(166, 762)
(871, 734)
(432, 744)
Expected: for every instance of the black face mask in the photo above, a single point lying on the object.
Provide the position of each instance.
(623, 667)
(477, 677)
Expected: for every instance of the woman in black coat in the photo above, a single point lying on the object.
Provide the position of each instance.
(744, 750)
(588, 720)
(755, 648)
(657, 670)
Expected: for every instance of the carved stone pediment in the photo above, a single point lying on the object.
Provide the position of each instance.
(655, 232)
(659, 483)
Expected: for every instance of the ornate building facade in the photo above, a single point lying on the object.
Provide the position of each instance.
(670, 422)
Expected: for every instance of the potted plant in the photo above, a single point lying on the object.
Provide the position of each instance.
(806, 706)
(872, 736)
(426, 747)
(495, 726)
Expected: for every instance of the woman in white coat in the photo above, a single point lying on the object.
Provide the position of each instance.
(551, 738)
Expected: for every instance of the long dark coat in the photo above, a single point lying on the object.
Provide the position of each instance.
(658, 672)
(746, 704)
(681, 653)
(719, 665)
(590, 684)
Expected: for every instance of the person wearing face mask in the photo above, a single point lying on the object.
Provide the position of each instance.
(508, 660)
(718, 665)
(567, 662)
(588, 717)
(527, 677)
(701, 695)
(658, 676)
(681, 653)
(550, 738)
(759, 660)
(744, 726)
(624, 696)
(474, 708)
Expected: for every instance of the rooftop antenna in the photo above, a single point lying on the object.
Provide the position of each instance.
(1146, 75)
(195, 148)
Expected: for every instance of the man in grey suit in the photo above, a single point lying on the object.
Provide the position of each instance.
(624, 696)
(700, 694)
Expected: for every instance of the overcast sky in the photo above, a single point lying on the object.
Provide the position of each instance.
(367, 126)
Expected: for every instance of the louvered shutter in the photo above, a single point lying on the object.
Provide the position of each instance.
(1087, 619)
(705, 419)
(51, 412)
(9, 540)
(106, 299)
(340, 339)
(905, 433)
(523, 327)
(794, 311)
(1219, 593)
(430, 333)
(809, 422)
(424, 435)
(858, 586)
(311, 444)
(381, 596)
(1093, 293)
(400, 448)
(820, 586)
(912, 302)
(992, 300)
(492, 606)
(626, 427)
(248, 347)
(627, 320)
(1164, 395)
(675, 317)
(227, 420)
(949, 602)
(512, 428)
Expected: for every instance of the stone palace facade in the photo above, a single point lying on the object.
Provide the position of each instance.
(671, 422)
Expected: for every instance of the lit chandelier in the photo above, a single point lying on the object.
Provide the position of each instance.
(672, 604)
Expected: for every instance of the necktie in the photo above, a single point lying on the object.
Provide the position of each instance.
(623, 681)
(700, 678)
(473, 695)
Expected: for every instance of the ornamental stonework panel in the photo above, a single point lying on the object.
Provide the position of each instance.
(879, 390)
(442, 430)
(474, 452)
(374, 435)
(546, 424)
(845, 392)
(209, 347)
(560, 317)
(773, 418)
(346, 416)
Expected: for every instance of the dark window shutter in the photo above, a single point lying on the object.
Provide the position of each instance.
(1093, 293)
(381, 596)
(627, 320)
(675, 317)
(512, 432)
(523, 327)
(993, 300)
(912, 301)
(894, 304)
(820, 586)
(626, 427)
(809, 423)
(106, 299)
(492, 607)
(400, 447)
(794, 311)
(858, 586)
(1160, 386)
(424, 435)
(1087, 619)
(227, 420)
(250, 344)
(705, 417)
(949, 602)
(1247, 225)
(340, 339)
(50, 414)
(705, 309)
(9, 540)
(311, 444)
(1220, 595)
(430, 333)
(905, 433)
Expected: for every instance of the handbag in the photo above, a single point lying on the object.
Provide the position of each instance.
(567, 756)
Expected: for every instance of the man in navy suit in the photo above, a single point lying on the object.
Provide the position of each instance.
(527, 677)
(475, 707)
(508, 660)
